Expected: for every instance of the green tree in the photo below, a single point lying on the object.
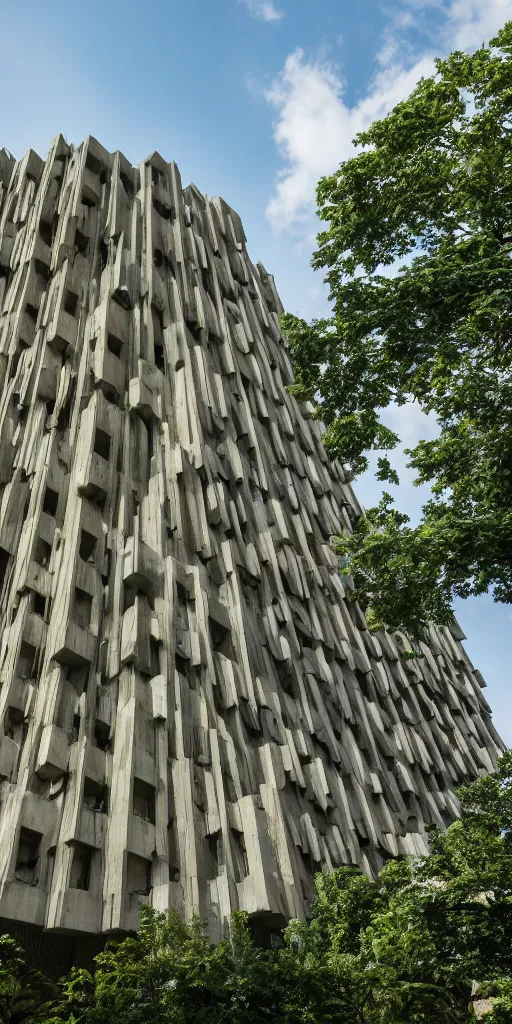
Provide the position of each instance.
(23, 989)
(403, 948)
(406, 948)
(431, 187)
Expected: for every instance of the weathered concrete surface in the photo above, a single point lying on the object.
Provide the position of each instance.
(191, 712)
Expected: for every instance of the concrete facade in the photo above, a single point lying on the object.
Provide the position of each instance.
(192, 713)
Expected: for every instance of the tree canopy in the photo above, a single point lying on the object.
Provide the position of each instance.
(431, 187)
(404, 948)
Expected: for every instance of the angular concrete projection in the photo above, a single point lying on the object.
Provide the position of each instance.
(192, 714)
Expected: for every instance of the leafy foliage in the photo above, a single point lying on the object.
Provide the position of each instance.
(404, 948)
(23, 989)
(432, 188)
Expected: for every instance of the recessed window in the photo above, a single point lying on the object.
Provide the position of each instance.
(126, 183)
(87, 546)
(39, 604)
(42, 552)
(28, 856)
(95, 795)
(102, 734)
(163, 209)
(82, 608)
(27, 661)
(70, 302)
(114, 345)
(81, 242)
(159, 357)
(144, 800)
(138, 875)
(50, 501)
(241, 863)
(45, 230)
(221, 638)
(102, 443)
(80, 876)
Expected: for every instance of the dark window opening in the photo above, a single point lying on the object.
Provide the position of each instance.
(158, 258)
(78, 678)
(138, 875)
(114, 345)
(28, 856)
(93, 164)
(241, 863)
(75, 728)
(181, 664)
(154, 649)
(82, 608)
(65, 413)
(80, 876)
(103, 248)
(46, 232)
(50, 501)
(12, 722)
(102, 443)
(50, 406)
(42, 270)
(144, 800)
(159, 357)
(87, 546)
(27, 661)
(4, 562)
(42, 552)
(31, 312)
(151, 449)
(81, 242)
(156, 175)
(95, 795)
(163, 209)
(70, 302)
(214, 853)
(87, 202)
(39, 604)
(126, 183)
(129, 595)
(221, 638)
(92, 344)
(102, 735)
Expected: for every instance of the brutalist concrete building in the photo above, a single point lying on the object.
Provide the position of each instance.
(192, 713)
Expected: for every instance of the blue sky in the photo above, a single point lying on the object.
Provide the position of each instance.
(255, 101)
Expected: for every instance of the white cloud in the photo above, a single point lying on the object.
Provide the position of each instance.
(263, 11)
(314, 126)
